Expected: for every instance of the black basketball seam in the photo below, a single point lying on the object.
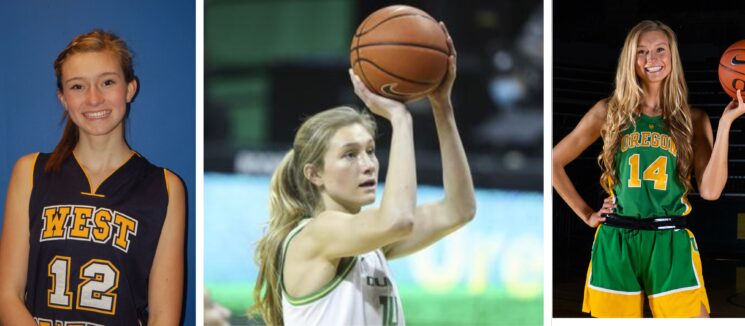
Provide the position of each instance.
(399, 43)
(394, 17)
(731, 70)
(394, 75)
(362, 71)
(728, 51)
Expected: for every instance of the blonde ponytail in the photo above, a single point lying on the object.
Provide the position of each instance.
(292, 197)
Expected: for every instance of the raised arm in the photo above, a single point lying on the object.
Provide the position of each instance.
(710, 162)
(165, 289)
(435, 220)
(14, 245)
(332, 235)
(566, 151)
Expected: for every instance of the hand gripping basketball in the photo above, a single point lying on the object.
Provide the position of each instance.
(400, 52)
(379, 105)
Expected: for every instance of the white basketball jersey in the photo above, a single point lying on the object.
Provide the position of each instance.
(363, 293)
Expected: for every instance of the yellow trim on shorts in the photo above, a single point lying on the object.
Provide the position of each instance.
(685, 302)
(678, 303)
(600, 302)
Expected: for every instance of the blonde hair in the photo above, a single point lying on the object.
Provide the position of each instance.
(624, 106)
(292, 197)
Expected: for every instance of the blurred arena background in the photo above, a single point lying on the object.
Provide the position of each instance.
(269, 64)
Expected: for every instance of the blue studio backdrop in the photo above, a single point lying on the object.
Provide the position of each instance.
(161, 123)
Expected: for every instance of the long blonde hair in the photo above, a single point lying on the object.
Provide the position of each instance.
(292, 197)
(624, 106)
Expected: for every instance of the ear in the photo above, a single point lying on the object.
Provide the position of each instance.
(61, 98)
(131, 89)
(312, 174)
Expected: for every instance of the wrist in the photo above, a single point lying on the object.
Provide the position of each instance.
(440, 100)
(724, 123)
(401, 116)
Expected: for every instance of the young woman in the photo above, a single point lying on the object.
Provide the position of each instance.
(653, 141)
(323, 260)
(93, 233)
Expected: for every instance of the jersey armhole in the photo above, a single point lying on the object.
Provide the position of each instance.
(345, 265)
(165, 178)
(33, 170)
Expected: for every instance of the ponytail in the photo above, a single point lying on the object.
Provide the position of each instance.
(292, 197)
(64, 147)
(286, 208)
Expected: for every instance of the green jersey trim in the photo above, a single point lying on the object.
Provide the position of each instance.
(347, 263)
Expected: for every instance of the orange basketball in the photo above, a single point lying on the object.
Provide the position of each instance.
(400, 52)
(732, 69)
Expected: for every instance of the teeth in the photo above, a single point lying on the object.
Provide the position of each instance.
(97, 115)
(653, 69)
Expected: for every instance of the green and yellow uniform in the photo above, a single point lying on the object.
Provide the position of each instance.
(626, 264)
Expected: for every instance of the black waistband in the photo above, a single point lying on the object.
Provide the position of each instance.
(659, 223)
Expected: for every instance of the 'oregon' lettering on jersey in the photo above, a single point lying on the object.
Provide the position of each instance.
(87, 223)
(648, 139)
(646, 164)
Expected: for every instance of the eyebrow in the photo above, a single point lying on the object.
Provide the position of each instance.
(656, 44)
(357, 144)
(99, 76)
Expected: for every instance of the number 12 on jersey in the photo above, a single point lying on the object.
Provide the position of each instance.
(655, 172)
(96, 292)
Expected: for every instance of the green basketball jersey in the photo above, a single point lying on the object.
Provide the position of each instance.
(648, 185)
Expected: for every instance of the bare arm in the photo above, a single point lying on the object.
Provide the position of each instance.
(165, 288)
(435, 220)
(566, 151)
(14, 245)
(710, 162)
(332, 234)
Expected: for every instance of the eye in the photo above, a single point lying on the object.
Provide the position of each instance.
(109, 82)
(76, 87)
(641, 52)
(660, 50)
(349, 154)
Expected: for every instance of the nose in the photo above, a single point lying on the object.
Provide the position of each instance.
(652, 55)
(94, 96)
(367, 163)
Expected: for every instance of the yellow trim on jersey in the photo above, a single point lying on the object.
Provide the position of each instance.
(684, 200)
(165, 176)
(88, 179)
(33, 168)
(92, 194)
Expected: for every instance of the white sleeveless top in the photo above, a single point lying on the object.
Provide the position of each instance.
(362, 293)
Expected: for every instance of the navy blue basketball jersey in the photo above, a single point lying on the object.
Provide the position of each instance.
(91, 249)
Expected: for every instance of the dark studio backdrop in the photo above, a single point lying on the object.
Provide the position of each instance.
(161, 124)
(587, 39)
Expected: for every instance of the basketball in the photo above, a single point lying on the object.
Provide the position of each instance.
(400, 52)
(732, 69)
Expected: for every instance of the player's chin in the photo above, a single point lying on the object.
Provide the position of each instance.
(368, 198)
